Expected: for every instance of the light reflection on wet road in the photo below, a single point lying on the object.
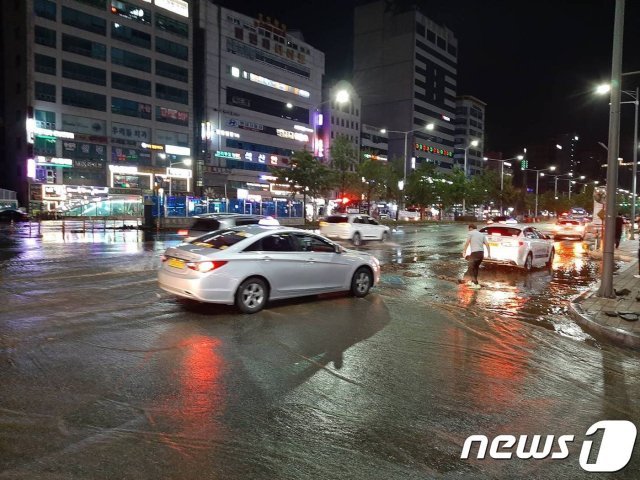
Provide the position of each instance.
(105, 376)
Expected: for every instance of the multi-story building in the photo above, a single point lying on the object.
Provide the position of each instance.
(405, 70)
(374, 143)
(469, 140)
(261, 101)
(104, 90)
(340, 118)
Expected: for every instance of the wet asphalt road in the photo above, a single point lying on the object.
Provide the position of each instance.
(104, 376)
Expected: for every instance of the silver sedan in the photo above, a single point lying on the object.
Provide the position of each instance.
(250, 265)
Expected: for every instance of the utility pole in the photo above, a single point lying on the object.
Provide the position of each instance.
(606, 281)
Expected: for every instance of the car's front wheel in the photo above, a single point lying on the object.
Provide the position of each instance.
(385, 237)
(252, 295)
(361, 282)
(551, 256)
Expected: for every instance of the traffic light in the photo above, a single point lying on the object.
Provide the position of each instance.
(524, 164)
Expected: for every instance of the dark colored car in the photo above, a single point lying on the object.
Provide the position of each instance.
(217, 221)
(12, 215)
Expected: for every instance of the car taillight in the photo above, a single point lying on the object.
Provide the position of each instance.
(520, 243)
(184, 233)
(204, 267)
(323, 224)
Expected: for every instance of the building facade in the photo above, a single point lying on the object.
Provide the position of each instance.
(261, 102)
(102, 101)
(339, 119)
(469, 123)
(405, 70)
(374, 143)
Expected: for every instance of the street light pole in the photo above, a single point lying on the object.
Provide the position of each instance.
(606, 282)
(535, 215)
(635, 167)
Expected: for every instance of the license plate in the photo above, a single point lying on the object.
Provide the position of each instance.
(493, 244)
(176, 263)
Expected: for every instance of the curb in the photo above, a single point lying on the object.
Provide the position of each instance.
(615, 335)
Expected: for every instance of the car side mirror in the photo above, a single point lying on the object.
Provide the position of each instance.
(337, 248)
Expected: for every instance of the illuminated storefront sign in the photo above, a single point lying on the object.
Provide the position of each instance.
(429, 149)
(301, 137)
(175, 150)
(123, 169)
(179, 7)
(224, 154)
(302, 128)
(267, 82)
(53, 161)
(151, 146)
(256, 127)
(179, 172)
(226, 133)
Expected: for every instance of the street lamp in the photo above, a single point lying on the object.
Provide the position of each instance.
(185, 161)
(603, 89)
(428, 126)
(538, 171)
(502, 164)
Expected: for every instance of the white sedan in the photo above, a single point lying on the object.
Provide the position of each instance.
(354, 227)
(518, 245)
(250, 265)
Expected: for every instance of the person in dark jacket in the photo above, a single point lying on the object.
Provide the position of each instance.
(619, 227)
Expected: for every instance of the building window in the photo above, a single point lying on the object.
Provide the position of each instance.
(431, 36)
(101, 4)
(239, 32)
(130, 59)
(45, 9)
(131, 11)
(80, 98)
(130, 35)
(452, 50)
(130, 108)
(84, 73)
(44, 145)
(84, 47)
(332, 120)
(170, 25)
(130, 84)
(420, 30)
(45, 92)
(266, 44)
(172, 71)
(45, 119)
(253, 39)
(172, 94)
(332, 134)
(441, 43)
(172, 49)
(84, 21)
(45, 36)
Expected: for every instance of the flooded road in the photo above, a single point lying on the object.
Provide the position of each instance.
(105, 376)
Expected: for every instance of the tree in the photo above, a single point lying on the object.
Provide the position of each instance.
(374, 175)
(306, 175)
(422, 187)
(343, 162)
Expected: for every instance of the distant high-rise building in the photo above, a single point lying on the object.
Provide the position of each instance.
(405, 70)
(99, 94)
(469, 139)
(261, 100)
(339, 118)
(374, 143)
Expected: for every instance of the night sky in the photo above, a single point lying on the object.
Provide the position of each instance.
(535, 63)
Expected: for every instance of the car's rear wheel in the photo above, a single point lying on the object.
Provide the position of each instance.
(361, 282)
(357, 239)
(528, 263)
(252, 295)
(385, 237)
(551, 256)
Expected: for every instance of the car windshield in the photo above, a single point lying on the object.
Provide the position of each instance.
(502, 231)
(222, 239)
(337, 219)
(500, 219)
(569, 222)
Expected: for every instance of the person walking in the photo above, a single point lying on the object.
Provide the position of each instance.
(619, 228)
(477, 241)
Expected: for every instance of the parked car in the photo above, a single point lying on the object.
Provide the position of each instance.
(356, 228)
(13, 215)
(517, 245)
(250, 265)
(502, 219)
(216, 221)
(569, 228)
(411, 214)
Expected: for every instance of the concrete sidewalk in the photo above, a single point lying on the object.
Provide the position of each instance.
(614, 318)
